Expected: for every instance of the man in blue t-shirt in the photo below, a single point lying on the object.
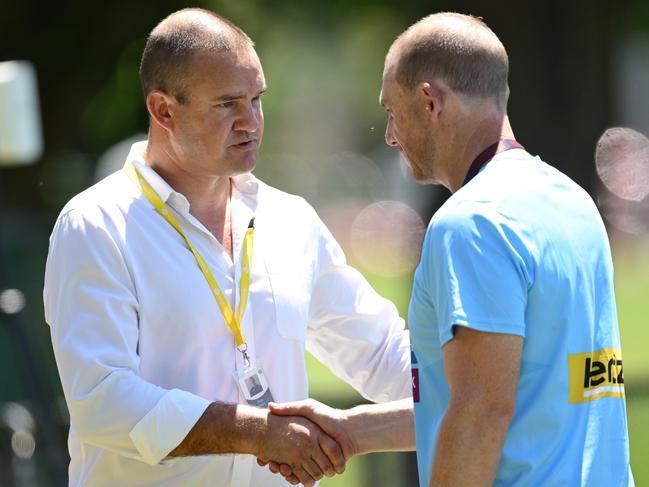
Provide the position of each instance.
(517, 364)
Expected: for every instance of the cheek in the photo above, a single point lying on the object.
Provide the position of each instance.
(214, 130)
(260, 120)
(406, 134)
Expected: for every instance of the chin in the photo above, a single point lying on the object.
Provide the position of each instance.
(420, 176)
(416, 174)
(245, 166)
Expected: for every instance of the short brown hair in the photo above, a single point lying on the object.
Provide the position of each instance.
(174, 41)
(461, 50)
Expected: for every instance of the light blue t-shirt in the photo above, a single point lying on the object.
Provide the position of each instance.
(521, 249)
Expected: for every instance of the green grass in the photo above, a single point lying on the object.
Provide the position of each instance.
(354, 475)
(632, 293)
(638, 412)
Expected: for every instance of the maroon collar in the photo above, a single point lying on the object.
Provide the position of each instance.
(488, 154)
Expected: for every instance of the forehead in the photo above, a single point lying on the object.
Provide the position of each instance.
(217, 72)
(391, 91)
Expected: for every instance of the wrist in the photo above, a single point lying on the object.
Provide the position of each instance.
(252, 428)
(352, 421)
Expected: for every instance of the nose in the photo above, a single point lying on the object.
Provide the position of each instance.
(250, 117)
(390, 138)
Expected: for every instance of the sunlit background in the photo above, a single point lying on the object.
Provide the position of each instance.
(577, 69)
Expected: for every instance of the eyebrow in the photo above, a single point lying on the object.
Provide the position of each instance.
(238, 96)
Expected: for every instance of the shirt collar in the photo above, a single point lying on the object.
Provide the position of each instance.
(160, 186)
(246, 184)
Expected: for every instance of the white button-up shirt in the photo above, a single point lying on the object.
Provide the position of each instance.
(141, 345)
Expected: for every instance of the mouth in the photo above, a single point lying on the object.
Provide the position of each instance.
(246, 145)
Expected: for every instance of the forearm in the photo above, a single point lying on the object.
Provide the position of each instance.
(224, 428)
(469, 447)
(382, 427)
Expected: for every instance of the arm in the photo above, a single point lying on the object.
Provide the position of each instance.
(363, 429)
(355, 332)
(482, 372)
(359, 336)
(295, 441)
(92, 309)
(382, 427)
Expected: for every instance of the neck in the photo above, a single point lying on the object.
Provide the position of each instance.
(201, 190)
(208, 195)
(476, 140)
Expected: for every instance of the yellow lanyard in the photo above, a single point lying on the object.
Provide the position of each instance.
(233, 321)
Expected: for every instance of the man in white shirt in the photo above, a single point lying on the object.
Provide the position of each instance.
(172, 284)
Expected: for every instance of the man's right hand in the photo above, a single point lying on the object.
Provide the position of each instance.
(302, 445)
(330, 420)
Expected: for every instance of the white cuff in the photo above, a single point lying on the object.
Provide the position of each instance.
(164, 427)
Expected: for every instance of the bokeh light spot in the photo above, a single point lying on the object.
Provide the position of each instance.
(622, 161)
(12, 301)
(386, 238)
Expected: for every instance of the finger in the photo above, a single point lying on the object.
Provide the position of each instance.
(303, 477)
(297, 408)
(261, 463)
(323, 462)
(274, 467)
(313, 469)
(292, 479)
(334, 453)
(288, 474)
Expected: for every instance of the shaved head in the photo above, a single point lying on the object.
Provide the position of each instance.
(459, 50)
(171, 46)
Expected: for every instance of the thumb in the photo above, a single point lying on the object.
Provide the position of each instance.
(297, 408)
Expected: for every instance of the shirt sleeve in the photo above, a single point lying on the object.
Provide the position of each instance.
(479, 274)
(92, 309)
(354, 331)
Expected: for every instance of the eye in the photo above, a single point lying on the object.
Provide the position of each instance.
(226, 104)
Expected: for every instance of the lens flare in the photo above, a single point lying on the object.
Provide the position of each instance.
(622, 161)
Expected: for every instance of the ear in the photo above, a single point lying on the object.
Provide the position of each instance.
(160, 105)
(433, 97)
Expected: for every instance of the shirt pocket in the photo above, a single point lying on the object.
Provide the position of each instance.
(291, 295)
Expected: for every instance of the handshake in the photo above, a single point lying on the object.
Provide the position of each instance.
(307, 440)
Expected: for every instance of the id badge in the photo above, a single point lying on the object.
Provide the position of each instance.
(254, 386)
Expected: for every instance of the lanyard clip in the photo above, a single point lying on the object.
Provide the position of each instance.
(243, 348)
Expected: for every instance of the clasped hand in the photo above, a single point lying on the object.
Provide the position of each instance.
(308, 440)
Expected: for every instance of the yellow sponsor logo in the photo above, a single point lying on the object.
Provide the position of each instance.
(595, 374)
